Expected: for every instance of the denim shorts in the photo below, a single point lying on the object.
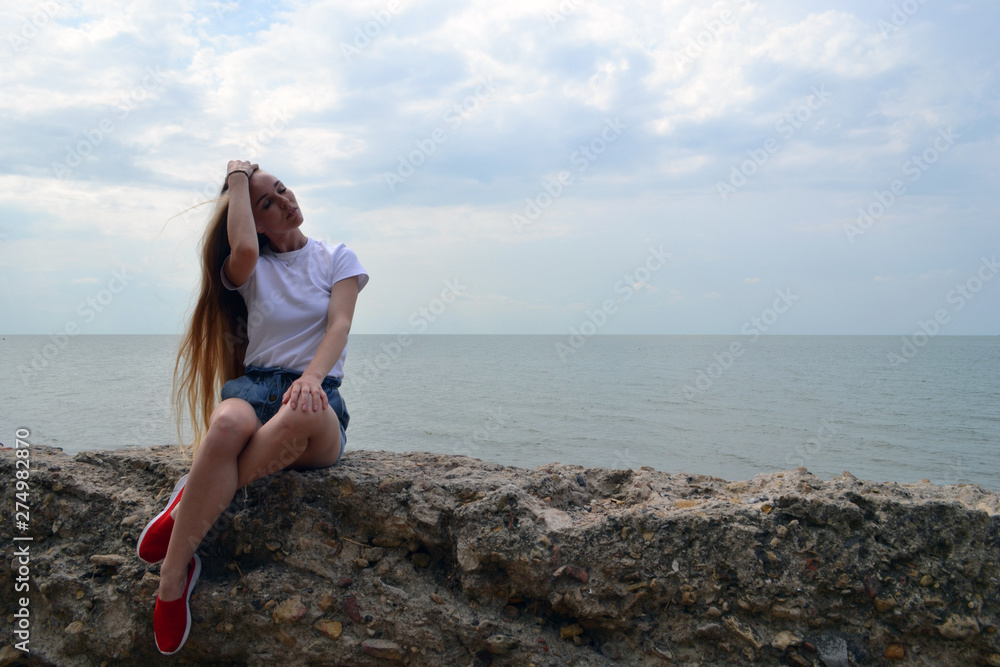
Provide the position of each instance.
(263, 388)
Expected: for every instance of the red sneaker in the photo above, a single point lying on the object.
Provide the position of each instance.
(172, 620)
(153, 541)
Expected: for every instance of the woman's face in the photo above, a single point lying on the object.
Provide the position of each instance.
(274, 208)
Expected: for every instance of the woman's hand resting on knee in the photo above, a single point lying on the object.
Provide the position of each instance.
(306, 392)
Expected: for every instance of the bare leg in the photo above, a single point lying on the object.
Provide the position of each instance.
(209, 490)
(236, 451)
(296, 438)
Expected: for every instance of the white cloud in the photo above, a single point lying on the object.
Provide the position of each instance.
(271, 83)
(60, 207)
(835, 42)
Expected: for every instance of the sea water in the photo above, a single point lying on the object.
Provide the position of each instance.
(729, 406)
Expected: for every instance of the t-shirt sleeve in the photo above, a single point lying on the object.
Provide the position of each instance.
(228, 284)
(345, 264)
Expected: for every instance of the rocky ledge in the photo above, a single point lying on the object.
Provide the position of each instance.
(424, 559)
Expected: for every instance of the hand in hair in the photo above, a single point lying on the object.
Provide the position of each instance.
(241, 167)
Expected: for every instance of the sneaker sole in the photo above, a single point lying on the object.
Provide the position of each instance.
(170, 503)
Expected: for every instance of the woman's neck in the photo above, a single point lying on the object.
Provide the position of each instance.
(293, 240)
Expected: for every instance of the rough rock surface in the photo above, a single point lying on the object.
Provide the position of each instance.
(425, 559)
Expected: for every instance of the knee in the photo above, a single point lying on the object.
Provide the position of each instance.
(230, 427)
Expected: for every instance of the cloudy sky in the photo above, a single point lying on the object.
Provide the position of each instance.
(515, 167)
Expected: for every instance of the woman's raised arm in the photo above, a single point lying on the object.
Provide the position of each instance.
(242, 231)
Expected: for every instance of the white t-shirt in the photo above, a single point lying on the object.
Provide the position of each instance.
(287, 298)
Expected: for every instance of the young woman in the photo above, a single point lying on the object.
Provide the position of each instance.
(270, 327)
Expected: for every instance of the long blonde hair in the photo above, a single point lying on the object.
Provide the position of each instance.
(213, 349)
